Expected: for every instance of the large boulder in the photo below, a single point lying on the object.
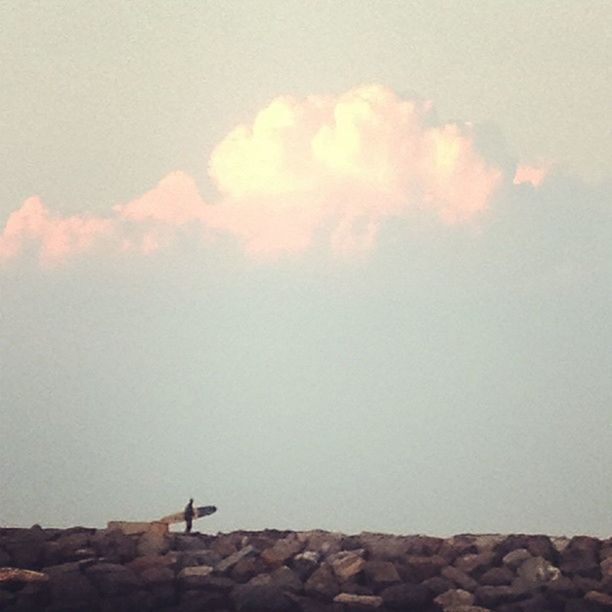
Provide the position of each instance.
(261, 598)
(581, 556)
(24, 547)
(454, 598)
(190, 541)
(305, 563)
(246, 568)
(69, 585)
(347, 564)
(323, 583)
(416, 568)
(324, 543)
(515, 558)
(537, 545)
(225, 564)
(380, 574)
(475, 564)
(405, 596)
(497, 576)
(286, 579)
(282, 551)
(438, 585)
(360, 601)
(112, 579)
(535, 572)
(114, 545)
(197, 577)
(141, 564)
(494, 596)
(385, 547)
(153, 543)
(461, 579)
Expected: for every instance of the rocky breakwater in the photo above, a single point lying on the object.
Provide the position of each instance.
(140, 566)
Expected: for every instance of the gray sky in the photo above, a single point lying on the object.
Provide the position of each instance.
(346, 314)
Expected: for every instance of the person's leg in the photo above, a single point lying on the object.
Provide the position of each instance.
(188, 526)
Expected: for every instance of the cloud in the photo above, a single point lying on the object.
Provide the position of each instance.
(530, 173)
(318, 170)
(54, 237)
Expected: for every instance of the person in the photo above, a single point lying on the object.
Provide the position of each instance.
(189, 515)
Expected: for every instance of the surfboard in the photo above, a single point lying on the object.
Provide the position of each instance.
(179, 517)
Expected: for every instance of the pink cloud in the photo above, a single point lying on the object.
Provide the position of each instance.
(322, 169)
(349, 161)
(532, 174)
(54, 237)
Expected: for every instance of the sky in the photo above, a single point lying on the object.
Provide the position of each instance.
(335, 265)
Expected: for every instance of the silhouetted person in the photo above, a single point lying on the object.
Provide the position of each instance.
(189, 514)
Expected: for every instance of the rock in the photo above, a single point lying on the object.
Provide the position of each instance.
(200, 601)
(537, 545)
(497, 576)
(112, 579)
(416, 568)
(282, 551)
(438, 585)
(459, 545)
(494, 596)
(454, 598)
(475, 564)
(153, 543)
(69, 547)
(466, 609)
(67, 583)
(516, 557)
(115, 546)
(5, 559)
(536, 571)
(157, 575)
(584, 584)
(137, 528)
(246, 568)
(405, 596)
(367, 601)
(230, 561)
(33, 596)
(17, 575)
(305, 563)
(322, 583)
(581, 557)
(25, 547)
(306, 604)
(324, 543)
(380, 574)
(192, 541)
(385, 547)
(140, 564)
(561, 589)
(488, 542)
(606, 567)
(347, 564)
(190, 558)
(601, 599)
(580, 605)
(560, 543)
(227, 544)
(249, 598)
(286, 579)
(6, 599)
(461, 579)
(190, 578)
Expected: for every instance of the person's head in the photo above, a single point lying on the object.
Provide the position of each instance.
(191, 500)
